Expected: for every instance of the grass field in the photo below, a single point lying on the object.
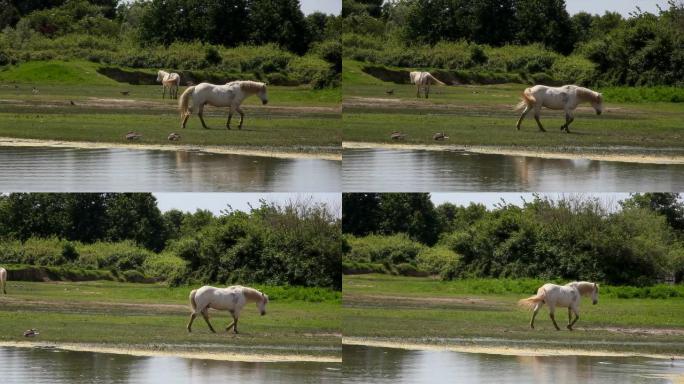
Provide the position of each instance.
(75, 103)
(298, 320)
(424, 310)
(483, 115)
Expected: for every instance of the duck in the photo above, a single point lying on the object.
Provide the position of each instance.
(125, 93)
(34, 91)
(398, 136)
(31, 333)
(72, 102)
(439, 136)
(133, 135)
(174, 136)
(390, 92)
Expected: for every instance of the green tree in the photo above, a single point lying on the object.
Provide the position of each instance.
(281, 22)
(667, 204)
(410, 213)
(547, 22)
(360, 213)
(135, 216)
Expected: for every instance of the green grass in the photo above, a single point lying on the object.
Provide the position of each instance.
(483, 115)
(303, 320)
(465, 311)
(296, 119)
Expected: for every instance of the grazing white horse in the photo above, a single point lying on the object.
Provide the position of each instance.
(3, 280)
(232, 299)
(229, 95)
(561, 296)
(566, 98)
(170, 81)
(423, 80)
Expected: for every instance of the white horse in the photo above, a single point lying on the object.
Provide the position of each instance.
(170, 81)
(562, 296)
(566, 98)
(232, 299)
(423, 80)
(3, 280)
(229, 95)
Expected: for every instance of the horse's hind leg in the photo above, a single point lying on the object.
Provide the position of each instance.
(576, 318)
(534, 314)
(205, 315)
(200, 113)
(553, 318)
(539, 124)
(568, 119)
(522, 116)
(427, 91)
(192, 318)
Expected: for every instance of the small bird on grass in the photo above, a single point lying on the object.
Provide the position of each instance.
(390, 92)
(72, 102)
(133, 135)
(439, 136)
(174, 136)
(397, 136)
(31, 333)
(125, 93)
(34, 91)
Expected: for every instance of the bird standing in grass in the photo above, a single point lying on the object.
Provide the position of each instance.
(390, 92)
(72, 102)
(174, 136)
(125, 93)
(31, 333)
(440, 136)
(133, 135)
(34, 91)
(397, 136)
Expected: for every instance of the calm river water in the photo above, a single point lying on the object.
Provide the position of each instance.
(383, 170)
(128, 170)
(384, 365)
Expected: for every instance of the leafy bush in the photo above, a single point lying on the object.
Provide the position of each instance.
(394, 249)
(438, 260)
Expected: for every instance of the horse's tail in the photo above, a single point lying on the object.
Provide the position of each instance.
(192, 300)
(184, 101)
(526, 99)
(434, 79)
(532, 300)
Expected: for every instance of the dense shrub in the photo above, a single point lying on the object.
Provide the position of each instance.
(393, 249)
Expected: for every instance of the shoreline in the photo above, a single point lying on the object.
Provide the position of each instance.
(497, 350)
(539, 153)
(142, 352)
(221, 150)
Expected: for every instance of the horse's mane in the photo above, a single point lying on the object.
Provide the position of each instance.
(584, 287)
(587, 94)
(252, 294)
(249, 86)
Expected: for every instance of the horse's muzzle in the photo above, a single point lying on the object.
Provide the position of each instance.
(595, 302)
(264, 102)
(264, 312)
(598, 113)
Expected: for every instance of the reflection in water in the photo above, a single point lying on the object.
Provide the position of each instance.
(384, 365)
(384, 170)
(116, 170)
(37, 366)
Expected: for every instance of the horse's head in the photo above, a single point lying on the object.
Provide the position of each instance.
(160, 75)
(597, 103)
(261, 304)
(595, 294)
(263, 94)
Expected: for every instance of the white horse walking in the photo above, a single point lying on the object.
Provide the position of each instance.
(422, 80)
(232, 299)
(3, 280)
(561, 296)
(229, 95)
(170, 81)
(566, 98)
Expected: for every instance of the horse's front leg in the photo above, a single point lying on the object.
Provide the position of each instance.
(242, 116)
(163, 92)
(568, 119)
(230, 117)
(427, 91)
(231, 325)
(576, 318)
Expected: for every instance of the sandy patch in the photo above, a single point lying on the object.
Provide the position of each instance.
(546, 154)
(498, 350)
(223, 150)
(222, 356)
(641, 331)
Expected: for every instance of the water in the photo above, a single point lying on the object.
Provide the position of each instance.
(43, 169)
(384, 365)
(53, 366)
(382, 170)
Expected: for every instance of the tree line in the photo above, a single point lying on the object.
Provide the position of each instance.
(639, 242)
(296, 243)
(642, 49)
